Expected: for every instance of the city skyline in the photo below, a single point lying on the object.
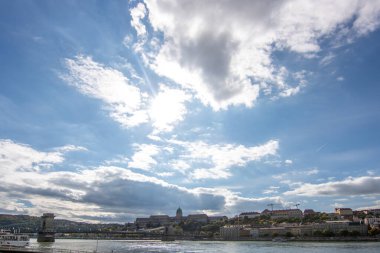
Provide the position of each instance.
(110, 110)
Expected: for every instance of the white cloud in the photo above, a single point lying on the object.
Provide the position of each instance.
(180, 166)
(165, 174)
(312, 172)
(297, 173)
(70, 148)
(347, 187)
(219, 158)
(290, 91)
(119, 159)
(371, 172)
(376, 205)
(368, 18)
(123, 100)
(168, 108)
(340, 78)
(288, 162)
(271, 190)
(154, 137)
(17, 157)
(222, 50)
(138, 13)
(327, 59)
(337, 205)
(143, 157)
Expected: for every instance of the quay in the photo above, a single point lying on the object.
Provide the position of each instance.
(40, 250)
(19, 250)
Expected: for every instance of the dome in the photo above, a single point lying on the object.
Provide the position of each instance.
(179, 212)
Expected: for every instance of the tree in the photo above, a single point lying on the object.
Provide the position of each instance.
(355, 233)
(289, 234)
(374, 231)
(344, 232)
(328, 233)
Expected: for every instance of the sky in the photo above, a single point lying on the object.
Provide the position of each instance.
(112, 110)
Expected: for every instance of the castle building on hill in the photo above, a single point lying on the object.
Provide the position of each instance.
(178, 215)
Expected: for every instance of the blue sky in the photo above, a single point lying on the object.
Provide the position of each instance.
(111, 110)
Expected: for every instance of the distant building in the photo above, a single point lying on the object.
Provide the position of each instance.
(372, 211)
(164, 220)
(230, 232)
(266, 212)
(358, 212)
(372, 222)
(142, 222)
(286, 214)
(270, 231)
(217, 218)
(308, 212)
(345, 213)
(308, 230)
(338, 226)
(178, 215)
(249, 215)
(159, 220)
(203, 218)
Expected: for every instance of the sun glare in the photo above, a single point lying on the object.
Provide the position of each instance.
(167, 108)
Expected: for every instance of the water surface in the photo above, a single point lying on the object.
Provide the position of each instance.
(212, 246)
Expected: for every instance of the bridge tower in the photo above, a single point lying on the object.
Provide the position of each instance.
(47, 231)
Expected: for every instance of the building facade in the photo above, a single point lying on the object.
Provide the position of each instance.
(230, 232)
(372, 222)
(203, 218)
(249, 215)
(345, 213)
(286, 214)
(338, 226)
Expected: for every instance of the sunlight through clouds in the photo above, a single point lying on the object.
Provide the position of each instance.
(168, 108)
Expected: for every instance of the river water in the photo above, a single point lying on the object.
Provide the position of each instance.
(211, 246)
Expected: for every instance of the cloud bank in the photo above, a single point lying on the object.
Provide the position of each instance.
(348, 187)
(223, 50)
(102, 192)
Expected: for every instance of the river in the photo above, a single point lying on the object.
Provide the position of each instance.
(211, 246)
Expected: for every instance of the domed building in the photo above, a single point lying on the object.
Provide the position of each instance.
(178, 215)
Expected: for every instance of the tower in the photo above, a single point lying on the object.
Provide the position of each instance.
(46, 233)
(178, 215)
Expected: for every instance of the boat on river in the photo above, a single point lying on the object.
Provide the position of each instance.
(8, 239)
